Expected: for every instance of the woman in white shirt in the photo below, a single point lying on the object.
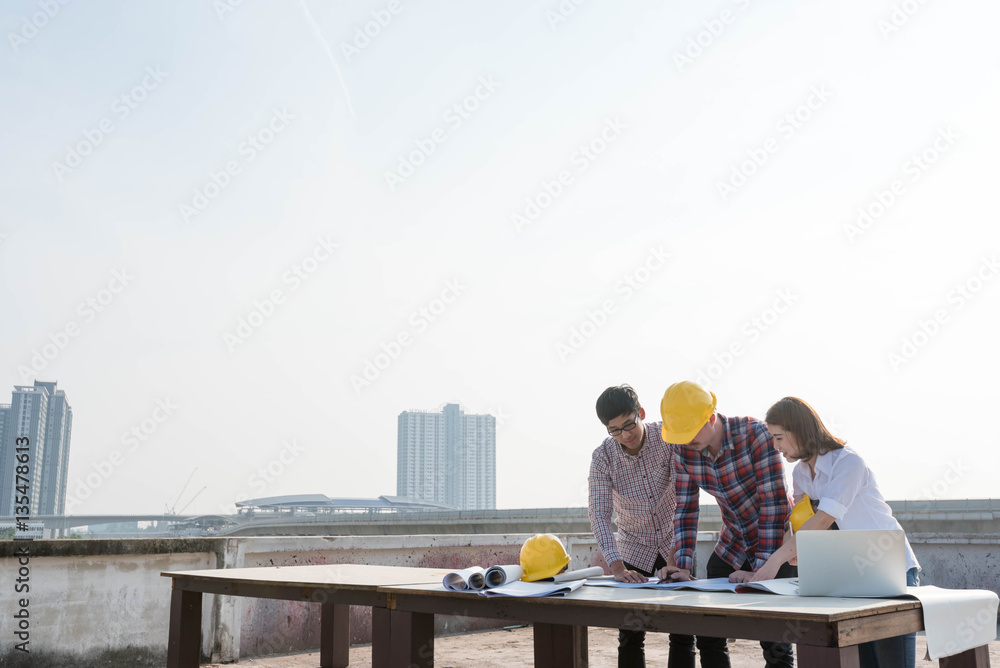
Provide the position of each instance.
(845, 487)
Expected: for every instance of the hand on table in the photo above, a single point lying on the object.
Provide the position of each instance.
(674, 573)
(630, 576)
(740, 576)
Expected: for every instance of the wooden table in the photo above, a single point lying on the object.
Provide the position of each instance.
(334, 587)
(826, 631)
(405, 600)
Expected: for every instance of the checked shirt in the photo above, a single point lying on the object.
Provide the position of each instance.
(747, 480)
(640, 491)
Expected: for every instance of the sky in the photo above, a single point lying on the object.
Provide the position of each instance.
(243, 237)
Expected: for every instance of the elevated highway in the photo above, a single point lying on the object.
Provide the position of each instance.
(940, 516)
(974, 516)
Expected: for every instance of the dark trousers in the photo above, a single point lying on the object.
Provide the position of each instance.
(632, 643)
(714, 651)
(898, 652)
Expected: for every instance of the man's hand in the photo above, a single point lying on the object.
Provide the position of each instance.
(768, 571)
(630, 576)
(623, 574)
(675, 574)
(741, 576)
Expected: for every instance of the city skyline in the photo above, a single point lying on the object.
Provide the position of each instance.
(447, 457)
(247, 240)
(39, 421)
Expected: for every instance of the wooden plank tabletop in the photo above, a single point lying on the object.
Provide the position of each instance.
(818, 608)
(345, 576)
(818, 621)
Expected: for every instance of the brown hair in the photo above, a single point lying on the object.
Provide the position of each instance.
(797, 417)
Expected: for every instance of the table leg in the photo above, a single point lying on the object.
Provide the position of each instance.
(412, 640)
(381, 630)
(977, 657)
(827, 657)
(402, 639)
(184, 641)
(560, 646)
(335, 636)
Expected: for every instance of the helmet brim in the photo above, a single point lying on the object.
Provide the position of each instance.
(547, 572)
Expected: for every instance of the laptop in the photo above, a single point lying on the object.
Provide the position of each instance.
(852, 563)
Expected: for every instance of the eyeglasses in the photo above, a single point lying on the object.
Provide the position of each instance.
(628, 426)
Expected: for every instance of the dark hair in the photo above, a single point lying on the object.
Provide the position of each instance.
(616, 401)
(798, 418)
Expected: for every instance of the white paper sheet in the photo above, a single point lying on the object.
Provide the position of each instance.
(497, 576)
(651, 583)
(782, 586)
(956, 619)
(473, 578)
(533, 589)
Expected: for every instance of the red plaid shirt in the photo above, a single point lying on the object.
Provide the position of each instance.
(747, 479)
(640, 490)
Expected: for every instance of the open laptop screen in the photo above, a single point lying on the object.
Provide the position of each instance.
(852, 563)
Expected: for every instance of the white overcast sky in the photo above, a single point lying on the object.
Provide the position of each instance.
(837, 101)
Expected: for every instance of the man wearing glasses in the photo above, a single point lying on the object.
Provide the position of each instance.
(632, 474)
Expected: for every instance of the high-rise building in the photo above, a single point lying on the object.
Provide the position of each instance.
(41, 414)
(448, 457)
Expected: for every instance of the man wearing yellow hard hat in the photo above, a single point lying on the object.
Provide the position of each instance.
(734, 460)
(632, 475)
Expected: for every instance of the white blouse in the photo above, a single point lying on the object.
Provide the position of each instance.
(846, 490)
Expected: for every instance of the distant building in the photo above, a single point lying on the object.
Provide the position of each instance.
(320, 504)
(41, 414)
(447, 458)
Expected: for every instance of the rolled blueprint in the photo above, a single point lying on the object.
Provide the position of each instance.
(473, 579)
(497, 576)
(583, 573)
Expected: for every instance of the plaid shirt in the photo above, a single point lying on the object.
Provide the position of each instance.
(748, 481)
(640, 490)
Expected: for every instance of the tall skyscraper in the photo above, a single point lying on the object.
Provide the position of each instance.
(41, 414)
(447, 457)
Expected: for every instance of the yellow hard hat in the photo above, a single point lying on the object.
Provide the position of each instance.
(542, 556)
(685, 409)
(801, 512)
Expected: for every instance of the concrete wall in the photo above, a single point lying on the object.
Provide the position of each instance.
(89, 598)
(103, 598)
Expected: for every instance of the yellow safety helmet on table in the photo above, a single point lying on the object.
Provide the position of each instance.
(685, 409)
(542, 556)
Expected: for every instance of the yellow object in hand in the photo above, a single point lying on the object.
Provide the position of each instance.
(801, 512)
